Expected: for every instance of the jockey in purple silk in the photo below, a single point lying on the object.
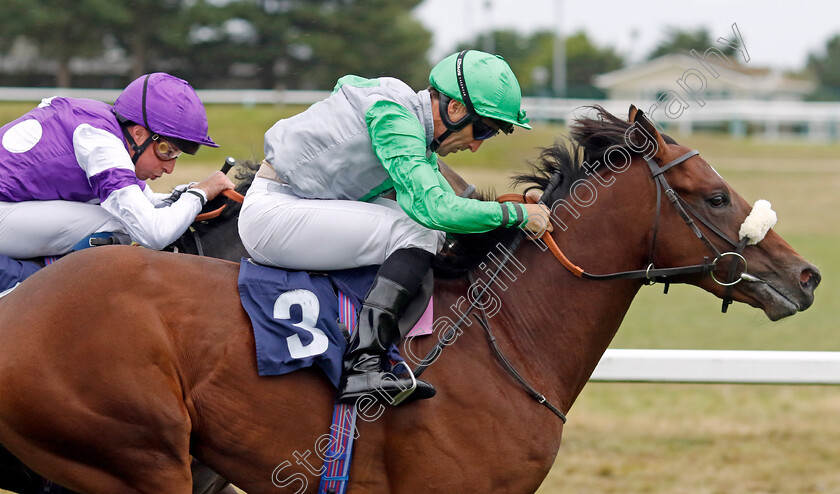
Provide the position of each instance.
(74, 167)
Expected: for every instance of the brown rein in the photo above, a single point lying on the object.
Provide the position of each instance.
(651, 274)
(230, 194)
(546, 236)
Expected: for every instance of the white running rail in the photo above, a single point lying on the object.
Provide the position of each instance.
(719, 366)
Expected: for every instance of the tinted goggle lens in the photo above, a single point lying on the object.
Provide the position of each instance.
(483, 131)
(165, 150)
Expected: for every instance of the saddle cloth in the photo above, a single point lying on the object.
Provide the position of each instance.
(295, 316)
(14, 271)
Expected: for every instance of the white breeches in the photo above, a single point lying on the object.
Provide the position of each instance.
(281, 229)
(50, 228)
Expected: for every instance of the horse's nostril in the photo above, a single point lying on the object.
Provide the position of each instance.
(810, 278)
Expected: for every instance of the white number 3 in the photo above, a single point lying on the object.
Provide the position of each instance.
(310, 308)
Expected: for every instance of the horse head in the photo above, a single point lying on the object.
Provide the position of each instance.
(215, 231)
(751, 262)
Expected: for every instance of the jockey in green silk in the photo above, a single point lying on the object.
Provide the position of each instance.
(318, 202)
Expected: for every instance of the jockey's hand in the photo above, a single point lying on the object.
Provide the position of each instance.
(214, 184)
(539, 219)
(533, 196)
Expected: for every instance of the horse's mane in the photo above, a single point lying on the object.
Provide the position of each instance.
(589, 139)
(244, 175)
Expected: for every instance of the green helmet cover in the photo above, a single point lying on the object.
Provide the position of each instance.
(490, 82)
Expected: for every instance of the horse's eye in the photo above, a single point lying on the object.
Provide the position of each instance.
(718, 200)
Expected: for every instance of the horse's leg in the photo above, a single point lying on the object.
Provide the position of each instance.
(124, 465)
(269, 442)
(14, 475)
(258, 444)
(17, 477)
(91, 400)
(90, 449)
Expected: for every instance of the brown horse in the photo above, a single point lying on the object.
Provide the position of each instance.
(116, 366)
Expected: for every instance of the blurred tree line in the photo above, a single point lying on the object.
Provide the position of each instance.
(531, 58)
(298, 44)
(826, 69)
(294, 44)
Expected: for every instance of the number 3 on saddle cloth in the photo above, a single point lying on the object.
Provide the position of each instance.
(295, 316)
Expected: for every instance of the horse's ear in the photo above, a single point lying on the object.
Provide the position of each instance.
(639, 118)
(632, 115)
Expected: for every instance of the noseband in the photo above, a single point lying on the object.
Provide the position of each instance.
(683, 208)
(651, 274)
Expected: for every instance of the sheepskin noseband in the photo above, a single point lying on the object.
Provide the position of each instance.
(760, 220)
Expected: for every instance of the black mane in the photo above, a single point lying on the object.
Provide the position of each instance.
(589, 139)
(244, 175)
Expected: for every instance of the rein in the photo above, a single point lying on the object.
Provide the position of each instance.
(536, 395)
(230, 194)
(652, 274)
(455, 330)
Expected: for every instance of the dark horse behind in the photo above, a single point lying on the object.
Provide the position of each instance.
(216, 236)
(151, 355)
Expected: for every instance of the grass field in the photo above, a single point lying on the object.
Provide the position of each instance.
(672, 438)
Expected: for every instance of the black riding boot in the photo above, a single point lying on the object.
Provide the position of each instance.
(376, 330)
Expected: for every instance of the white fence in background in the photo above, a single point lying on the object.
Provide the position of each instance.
(233, 96)
(719, 366)
(771, 119)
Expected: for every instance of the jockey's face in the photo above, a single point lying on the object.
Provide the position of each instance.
(459, 140)
(150, 166)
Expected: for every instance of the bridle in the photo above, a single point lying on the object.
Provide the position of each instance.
(652, 274)
(683, 208)
(228, 194)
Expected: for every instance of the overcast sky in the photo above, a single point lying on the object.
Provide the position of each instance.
(777, 34)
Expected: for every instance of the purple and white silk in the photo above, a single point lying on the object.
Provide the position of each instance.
(65, 173)
(45, 154)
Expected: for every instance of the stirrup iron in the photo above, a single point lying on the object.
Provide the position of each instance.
(402, 395)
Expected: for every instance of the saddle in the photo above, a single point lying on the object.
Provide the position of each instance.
(296, 315)
(92, 240)
(14, 271)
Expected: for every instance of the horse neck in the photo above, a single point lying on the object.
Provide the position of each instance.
(220, 239)
(559, 325)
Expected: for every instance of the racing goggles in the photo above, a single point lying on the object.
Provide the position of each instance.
(484, 129)
(165, 150)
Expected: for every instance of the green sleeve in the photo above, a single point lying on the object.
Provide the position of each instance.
(399, 142)
(442, 180)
